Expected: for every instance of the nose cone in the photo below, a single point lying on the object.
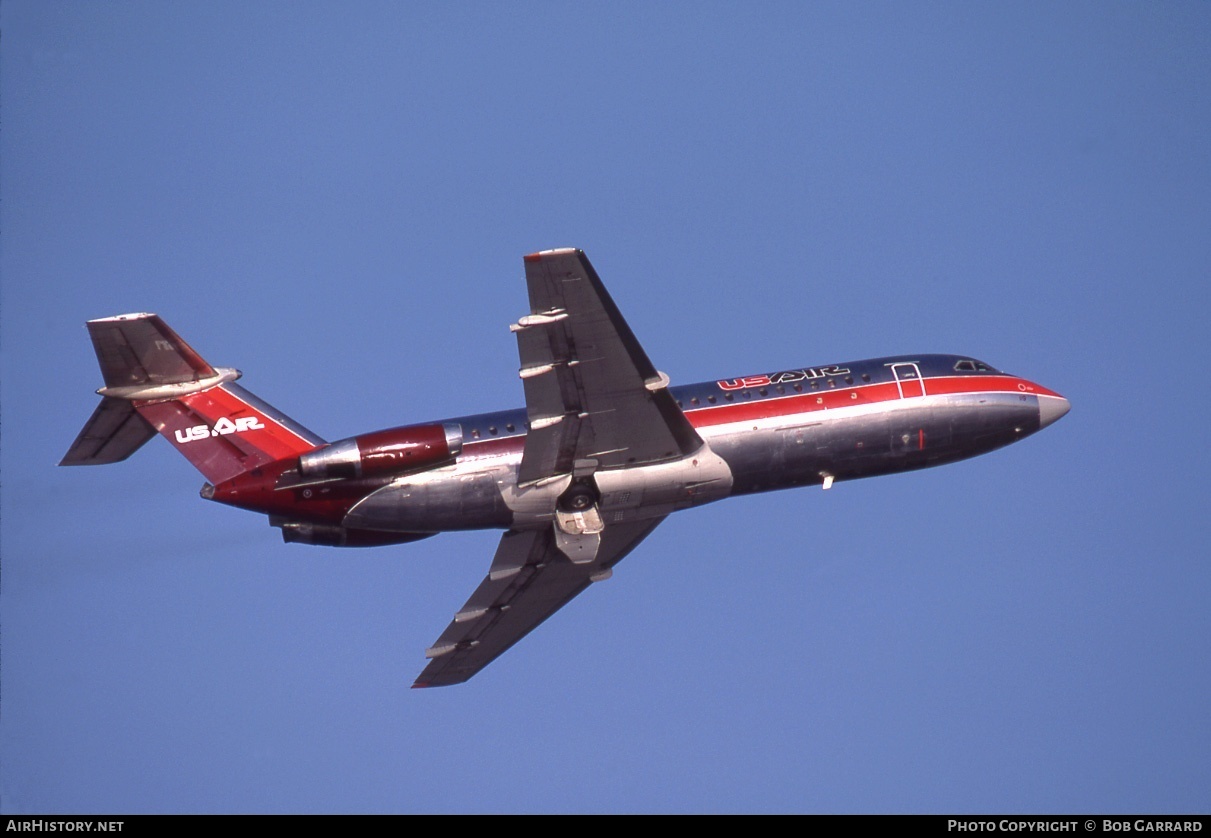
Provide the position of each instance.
(1052, 408)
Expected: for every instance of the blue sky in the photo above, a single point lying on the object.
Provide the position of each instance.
(336, 197)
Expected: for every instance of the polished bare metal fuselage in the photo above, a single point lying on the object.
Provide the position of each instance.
(780, 447)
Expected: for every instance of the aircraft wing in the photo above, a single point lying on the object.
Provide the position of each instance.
(529, 581)
(594, 401)
(591, 392)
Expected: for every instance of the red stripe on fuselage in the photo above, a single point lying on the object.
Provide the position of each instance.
(945, 385)
(758, 408)
(829, 398)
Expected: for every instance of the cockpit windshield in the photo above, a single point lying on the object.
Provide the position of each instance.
(970, 365)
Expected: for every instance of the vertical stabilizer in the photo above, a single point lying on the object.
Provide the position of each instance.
(156, 382)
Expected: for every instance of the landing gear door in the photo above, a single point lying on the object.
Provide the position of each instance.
(908, 379)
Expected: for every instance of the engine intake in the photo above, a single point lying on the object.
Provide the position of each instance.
(397, 450)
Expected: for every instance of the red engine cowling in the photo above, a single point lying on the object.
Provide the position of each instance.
(397, 450)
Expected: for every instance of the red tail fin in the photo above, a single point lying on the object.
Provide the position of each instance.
(225, 431)
(155, 381)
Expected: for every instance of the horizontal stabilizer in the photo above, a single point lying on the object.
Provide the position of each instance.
(141, 350)
(112, 433)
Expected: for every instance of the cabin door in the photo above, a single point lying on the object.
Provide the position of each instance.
(908, 379)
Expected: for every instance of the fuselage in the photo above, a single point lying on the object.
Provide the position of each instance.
(796, 427)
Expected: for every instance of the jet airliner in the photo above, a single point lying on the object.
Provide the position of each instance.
(604, 450)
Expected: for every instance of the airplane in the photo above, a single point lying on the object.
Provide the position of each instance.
(604, 450)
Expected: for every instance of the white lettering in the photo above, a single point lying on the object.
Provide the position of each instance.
(222, 426)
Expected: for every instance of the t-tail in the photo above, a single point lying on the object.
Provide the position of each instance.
(154, 381)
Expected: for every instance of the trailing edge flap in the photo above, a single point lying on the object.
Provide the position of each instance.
(530, 580)
(111, 434)
(591, 391)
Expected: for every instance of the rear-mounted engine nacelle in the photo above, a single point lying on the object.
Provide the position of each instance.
(332, 535)
(413, 448)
